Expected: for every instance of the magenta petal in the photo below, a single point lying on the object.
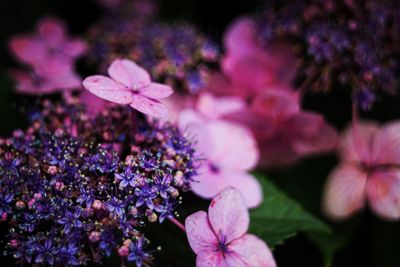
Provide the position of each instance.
(252, 251)
(29, 50)
(199, 233)
(53, 31)
(228, 215)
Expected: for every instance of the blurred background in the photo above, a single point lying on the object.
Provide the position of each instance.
(365, 240)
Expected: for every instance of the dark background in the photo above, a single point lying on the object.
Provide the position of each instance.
(369, 241)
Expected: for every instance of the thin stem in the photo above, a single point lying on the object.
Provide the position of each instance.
(177, 223)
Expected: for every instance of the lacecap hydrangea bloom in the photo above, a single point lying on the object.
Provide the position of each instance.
(177, 54)
(75, 189)
(353, 43)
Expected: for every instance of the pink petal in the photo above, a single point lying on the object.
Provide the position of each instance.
(228, 215)
(199, 233)
(214, 107)
(75, 48)
(28, 50)
(311, 134)
(252, 251)
(27, 85)
(234, 146)
(247, 185)
(149, 107)
(156, 91)
(211, 259)
(344, 192)
(277, 103)
(357, 142)
(386, 145)
(108, 89)
(94, 104)
(240, 37)
(67, 80)
(208, 184)
(52, 30)
(129, 74)
(383, 189)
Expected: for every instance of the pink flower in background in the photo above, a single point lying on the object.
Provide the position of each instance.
(283, 131)
(249, 66)
(219, 238)
(369, 172)
(131, 85)
(51, 54)
(229, 151)
(261, 77)
(50, 43)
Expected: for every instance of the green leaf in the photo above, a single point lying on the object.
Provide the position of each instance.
(280, 217)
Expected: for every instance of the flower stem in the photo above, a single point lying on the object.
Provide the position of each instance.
(177, 223)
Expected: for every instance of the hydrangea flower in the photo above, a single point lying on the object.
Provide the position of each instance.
(368, 172)
(219, 237)
(61, 180)
(261, 78)
(50, 54)
(130, 84)
(349, 43)
(229, 150)
(176, 54)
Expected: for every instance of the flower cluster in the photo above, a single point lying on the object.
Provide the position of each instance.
(75, 189)
(353, 42)
(176, 54)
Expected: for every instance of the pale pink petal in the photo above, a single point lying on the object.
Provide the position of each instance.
(129, 74)
(383, 189)
(197, 133)
(188, 117)
(217, 107)
(199, 233)
(386, 145)
(211, 259)
(53, 31)
(252, 251)
(234, 146)
(108, 89)
(156, 91)
(345, 191)
(247, 185)
(149, 107)
(228, 215)
(28, 50)
(208, 184)
(357, 142)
